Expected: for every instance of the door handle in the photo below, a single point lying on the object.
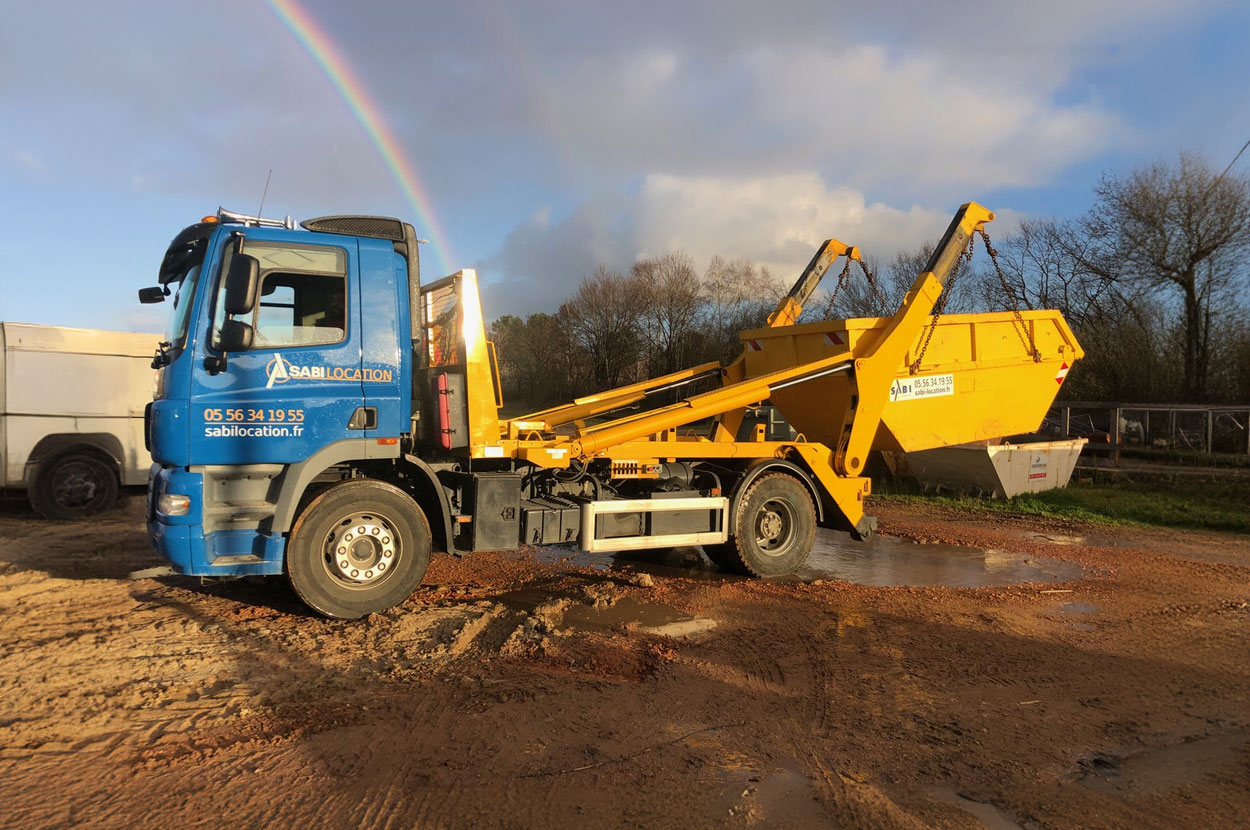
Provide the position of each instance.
(365, 417)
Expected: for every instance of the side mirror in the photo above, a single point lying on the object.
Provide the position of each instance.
(155, 294)
(241, 283)
(236, 336)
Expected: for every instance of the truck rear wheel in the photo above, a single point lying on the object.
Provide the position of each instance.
(73, 486)
(359, 547)
(773, 530)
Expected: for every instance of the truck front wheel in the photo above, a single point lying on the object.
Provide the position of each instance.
(773, 530)
(73, 486)
(359, 547)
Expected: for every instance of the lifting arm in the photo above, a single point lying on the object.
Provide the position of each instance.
(785, 314)
(791, 306)
(599, 403)
(874, 373)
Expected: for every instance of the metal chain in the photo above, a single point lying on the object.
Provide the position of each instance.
(940, 305)
(846, 272)
(1011, 295)
(842, 280)
(872, 282)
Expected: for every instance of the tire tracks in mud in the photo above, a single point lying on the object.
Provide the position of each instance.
(797, 679)
(149, 703)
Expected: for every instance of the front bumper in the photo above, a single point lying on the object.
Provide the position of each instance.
(182, 540)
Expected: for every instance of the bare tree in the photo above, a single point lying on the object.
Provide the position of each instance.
(671, 301)
(1234, 362)
(534, 359)
(1130, 353)
(601, 319)
(1181, 231)
(857, 297)
(737, 295)
(1051, 263)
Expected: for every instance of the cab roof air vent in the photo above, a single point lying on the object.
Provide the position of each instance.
(375, 227)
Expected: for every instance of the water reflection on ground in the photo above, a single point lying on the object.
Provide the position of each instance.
(889, 561)
(881, 561)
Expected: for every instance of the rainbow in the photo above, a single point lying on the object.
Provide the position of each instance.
(317, 43)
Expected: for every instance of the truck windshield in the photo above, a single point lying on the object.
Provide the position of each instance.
(184, 298)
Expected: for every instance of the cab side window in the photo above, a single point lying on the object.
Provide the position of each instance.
(300, 310)
(303, 296)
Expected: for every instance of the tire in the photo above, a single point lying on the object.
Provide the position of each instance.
(73, 486)
(773, 530)
(345, 574)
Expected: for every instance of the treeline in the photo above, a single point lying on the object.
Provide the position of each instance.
(1153, 279)
(617, 328)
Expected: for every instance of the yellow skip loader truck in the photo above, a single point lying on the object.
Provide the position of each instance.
(322, 415)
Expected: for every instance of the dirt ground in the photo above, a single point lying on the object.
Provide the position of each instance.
(514, 691)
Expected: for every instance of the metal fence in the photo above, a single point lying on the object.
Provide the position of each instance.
(1194, 428)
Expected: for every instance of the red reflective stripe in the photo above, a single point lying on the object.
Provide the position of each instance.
(443, 411)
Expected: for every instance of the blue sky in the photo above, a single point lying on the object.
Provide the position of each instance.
(551, 136)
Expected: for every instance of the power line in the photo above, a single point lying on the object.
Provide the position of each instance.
(1217, 179)
(1234, 161)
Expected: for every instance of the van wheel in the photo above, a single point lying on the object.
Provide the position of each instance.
(359, 547)
(74, 485)
(773, 530)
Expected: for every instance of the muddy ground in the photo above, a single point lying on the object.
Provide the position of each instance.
(517, 691)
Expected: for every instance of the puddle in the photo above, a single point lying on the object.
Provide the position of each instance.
(886, 561)
(780, 797)
(1163, 769)
(987, 814)
(882, 561)
(1236, 557)
(649, 617)
(684, 563)
(1078, 610)
(1058, 538)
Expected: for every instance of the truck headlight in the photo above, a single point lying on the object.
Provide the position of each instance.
(173, 504)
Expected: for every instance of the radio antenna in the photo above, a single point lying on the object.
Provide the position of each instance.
(260, 210)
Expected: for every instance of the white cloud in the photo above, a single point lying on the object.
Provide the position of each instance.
(717, 126)
(921, 121)
(30, 162)
(777, 221)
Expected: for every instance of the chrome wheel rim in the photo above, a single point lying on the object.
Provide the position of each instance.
(361, 550)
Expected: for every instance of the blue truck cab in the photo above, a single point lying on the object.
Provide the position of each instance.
(270, 381)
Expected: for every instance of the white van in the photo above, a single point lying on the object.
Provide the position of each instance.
(71, 415)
